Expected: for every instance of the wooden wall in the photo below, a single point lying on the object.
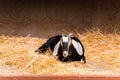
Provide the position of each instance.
(44, 18)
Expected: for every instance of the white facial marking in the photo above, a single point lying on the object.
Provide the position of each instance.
(65, 53)
(78, 47)
(65, 39)
(55, 51)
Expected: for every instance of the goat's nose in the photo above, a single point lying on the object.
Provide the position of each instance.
(65, 53)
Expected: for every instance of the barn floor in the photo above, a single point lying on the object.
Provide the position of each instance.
(102, 53)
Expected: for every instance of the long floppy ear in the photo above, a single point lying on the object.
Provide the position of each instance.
(56, 48)
(78, 45)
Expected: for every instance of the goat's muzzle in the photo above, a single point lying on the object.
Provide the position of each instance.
(65, 54)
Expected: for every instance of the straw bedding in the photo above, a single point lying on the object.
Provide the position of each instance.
(102, 53)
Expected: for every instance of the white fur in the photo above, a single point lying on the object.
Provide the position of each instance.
(65, 39)
(78, 47)
(55, 51)
(65, 52)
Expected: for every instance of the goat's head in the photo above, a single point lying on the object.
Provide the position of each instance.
(65, 42)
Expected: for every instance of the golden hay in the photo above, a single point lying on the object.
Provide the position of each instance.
(102, 53)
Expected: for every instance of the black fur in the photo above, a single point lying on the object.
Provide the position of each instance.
(51, 42)
(73, 55)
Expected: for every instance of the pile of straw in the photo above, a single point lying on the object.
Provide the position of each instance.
(102, 53)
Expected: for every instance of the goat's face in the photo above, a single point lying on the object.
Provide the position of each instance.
(66, 41)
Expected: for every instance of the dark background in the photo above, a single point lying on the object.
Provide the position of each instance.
(44, 18)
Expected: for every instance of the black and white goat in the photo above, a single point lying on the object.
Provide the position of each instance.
(67, 48)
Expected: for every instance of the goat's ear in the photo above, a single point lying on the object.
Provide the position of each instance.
(78, 46)
(56, 49)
